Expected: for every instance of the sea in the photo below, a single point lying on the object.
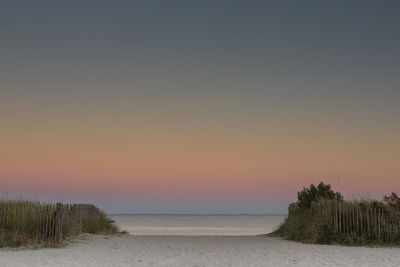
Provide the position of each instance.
(194, 225)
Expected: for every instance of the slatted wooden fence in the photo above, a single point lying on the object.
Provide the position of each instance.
(360, 221)
(46, 222)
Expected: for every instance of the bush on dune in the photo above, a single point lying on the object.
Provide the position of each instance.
(101, 225)
(301, 226)
(320, 215)
(25, 223)
(315, 193)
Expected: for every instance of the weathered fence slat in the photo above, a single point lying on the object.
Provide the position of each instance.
(45, 222)
(356, 220)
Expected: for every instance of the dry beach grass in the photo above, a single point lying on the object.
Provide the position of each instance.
(29, 223)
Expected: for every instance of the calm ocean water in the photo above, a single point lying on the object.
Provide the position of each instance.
(198, 224)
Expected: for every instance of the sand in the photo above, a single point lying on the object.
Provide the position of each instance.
(198, 251)
(198, 224)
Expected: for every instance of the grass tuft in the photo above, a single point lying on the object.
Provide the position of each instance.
(30, 223)
(377, 228)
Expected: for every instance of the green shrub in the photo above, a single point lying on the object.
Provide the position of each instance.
(100, 225)
(359, 223)
(393, 200)
(301, 226)
(316, 193)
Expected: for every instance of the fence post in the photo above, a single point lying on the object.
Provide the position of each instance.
(58, 222)
(340, 217)
(379, 222)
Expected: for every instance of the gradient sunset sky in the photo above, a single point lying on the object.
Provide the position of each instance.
(198, 106)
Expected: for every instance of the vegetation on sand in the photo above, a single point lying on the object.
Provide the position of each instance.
(30, 223)
(316, 193)
(320, 215)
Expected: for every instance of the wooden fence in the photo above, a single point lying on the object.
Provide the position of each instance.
(46, 222)
(360, 221)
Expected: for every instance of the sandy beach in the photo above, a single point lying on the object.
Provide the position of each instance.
(198, 251)
(186, 240)
(203, 225)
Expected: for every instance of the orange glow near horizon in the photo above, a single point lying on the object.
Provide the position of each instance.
(198, 107)
(223, 164)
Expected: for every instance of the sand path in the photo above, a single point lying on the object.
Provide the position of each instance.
(198, 251)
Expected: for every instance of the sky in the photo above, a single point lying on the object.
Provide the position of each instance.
(198, 106)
